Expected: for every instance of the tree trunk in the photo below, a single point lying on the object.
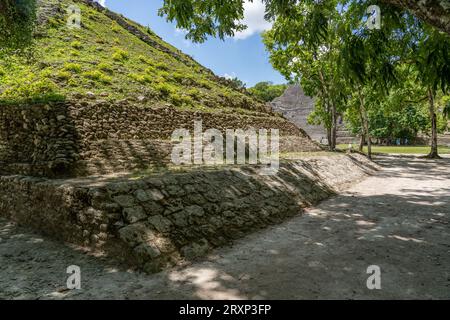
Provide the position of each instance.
(331, 132)
(333, 126)
(329, 137)
(434, 134)
(434, 12)
(365, 124)
(362, 142)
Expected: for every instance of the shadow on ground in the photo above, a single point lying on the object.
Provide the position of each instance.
(398, 220)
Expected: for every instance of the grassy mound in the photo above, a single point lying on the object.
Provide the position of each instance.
(107, 57)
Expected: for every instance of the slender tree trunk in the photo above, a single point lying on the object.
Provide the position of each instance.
(365, 119)
(333, 126)
(434, 134)
(361, 142)
(329, 137)
(331, 132)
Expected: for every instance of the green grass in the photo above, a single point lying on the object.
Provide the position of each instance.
(102, 57)
(399, 149)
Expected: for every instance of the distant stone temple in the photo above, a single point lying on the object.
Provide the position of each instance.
(296, 106)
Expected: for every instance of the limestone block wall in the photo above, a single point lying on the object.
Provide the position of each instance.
(160, 220)
(99, 137)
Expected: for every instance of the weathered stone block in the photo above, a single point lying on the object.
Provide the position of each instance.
(125, 200)
(160, 223)
(134, 214)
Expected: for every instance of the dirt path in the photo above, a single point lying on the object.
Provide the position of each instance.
(398, 220)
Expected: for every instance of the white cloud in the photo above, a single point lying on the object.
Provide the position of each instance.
(253, 19)
(229, 76)
(102, 2)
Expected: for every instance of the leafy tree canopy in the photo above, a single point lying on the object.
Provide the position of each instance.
(17, 21)
(267, 91)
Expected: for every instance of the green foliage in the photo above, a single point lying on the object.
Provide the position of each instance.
(161, 66)
(115, 27)
(205, 18)
(141, 78)
(120, 54)
(106, 67)
(195, 94)
(82, 59)
(17, 23)
(63, 75)
(73, 67)
(179, 100)
(165, 89)
(31, 89)
(237, 83)
(76, 45)
(98, 76)
(204, 84)
(266, 91)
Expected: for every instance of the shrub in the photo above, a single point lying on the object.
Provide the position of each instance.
(165, 75)
(2, 72)
(73, 67)
(205, 84)
(144, 78)
(150, 70)
(165, 89)
(145, 60)
(178, 77)
(31, 88)
(194, 93)
(63, 75)
(97, 75)
(115, 28)
(179, 100)
(76, 45)
(106, 67)
(162, 66)
(120, 55)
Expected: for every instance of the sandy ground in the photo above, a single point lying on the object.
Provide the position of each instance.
(397, 220)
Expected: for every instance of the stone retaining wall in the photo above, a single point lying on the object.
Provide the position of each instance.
(160, 220)
(99, 137)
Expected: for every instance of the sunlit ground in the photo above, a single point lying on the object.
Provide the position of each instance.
(398, 149)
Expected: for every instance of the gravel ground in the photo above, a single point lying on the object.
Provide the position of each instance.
(397, 220)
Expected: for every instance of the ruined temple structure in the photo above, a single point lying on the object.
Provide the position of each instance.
(94, 168)
(296, 106)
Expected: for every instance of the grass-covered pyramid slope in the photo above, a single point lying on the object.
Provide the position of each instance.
(113, 57)
(107, 96)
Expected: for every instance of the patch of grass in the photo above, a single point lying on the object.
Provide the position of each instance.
(194, 93)
(165, 89)
(126, 66)
(120, 54)
(204, 84)
(179, 100)
(106, 67)
(32, 89)
(115, 27)
(76, 45)
(161, 66)
(97, 75)
(141, 78)
(398, 149)
(63, 75)
(73, 67)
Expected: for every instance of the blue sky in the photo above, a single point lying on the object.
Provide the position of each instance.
(243, 56)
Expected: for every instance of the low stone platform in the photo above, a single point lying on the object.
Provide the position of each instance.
(162, 219)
